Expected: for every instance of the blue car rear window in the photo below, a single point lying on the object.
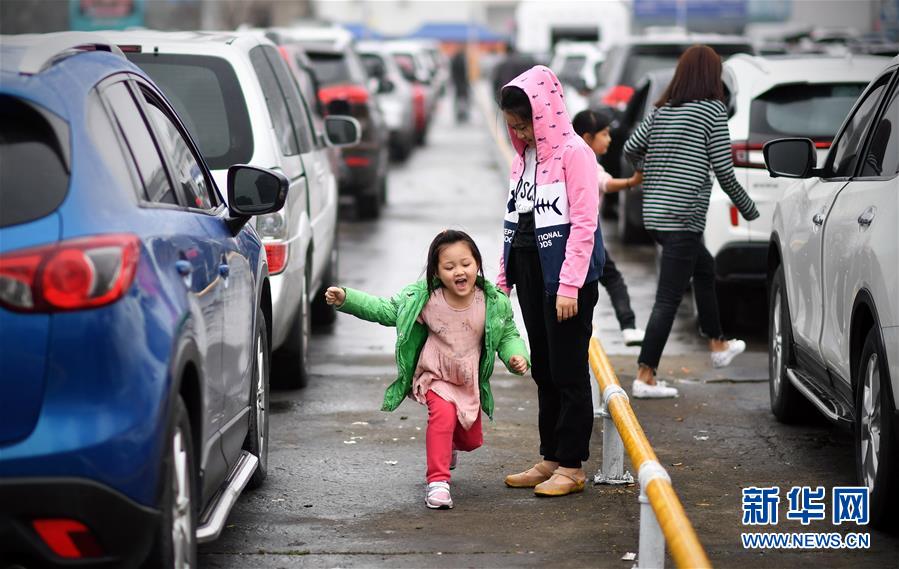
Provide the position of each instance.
(206, 94)
(34, 161)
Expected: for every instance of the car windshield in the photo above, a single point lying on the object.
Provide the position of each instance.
(642, 63)
(330, 68)
(374, 64)
(406, 64)
(206, 94)
(813, 111)
(572, 65)
(643, 59)
(34, 161)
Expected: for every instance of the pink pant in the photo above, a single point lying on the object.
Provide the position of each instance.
(446, 433)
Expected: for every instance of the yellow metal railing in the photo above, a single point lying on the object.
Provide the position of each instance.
(679, 534)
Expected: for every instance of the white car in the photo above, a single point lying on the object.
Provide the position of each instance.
(394, 94)
(417, 67)
(236, 95)
(833, 276)
(577, 65)
(772, 97)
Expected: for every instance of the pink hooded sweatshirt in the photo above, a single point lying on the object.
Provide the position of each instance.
(566, 203)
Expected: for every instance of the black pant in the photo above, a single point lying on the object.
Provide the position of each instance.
(558, 361)
(613, 282)
(684, 256)
(462, 103)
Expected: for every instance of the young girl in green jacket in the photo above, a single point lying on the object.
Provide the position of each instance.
(449, 327)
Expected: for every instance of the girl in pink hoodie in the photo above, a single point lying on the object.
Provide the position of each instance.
(553, 256)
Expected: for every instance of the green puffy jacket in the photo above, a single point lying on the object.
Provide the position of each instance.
(500, 334)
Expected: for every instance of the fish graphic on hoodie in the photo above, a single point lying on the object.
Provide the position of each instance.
(566, 201)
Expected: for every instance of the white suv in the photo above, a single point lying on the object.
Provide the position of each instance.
(833, 275)
(237, 97)
(769, 98)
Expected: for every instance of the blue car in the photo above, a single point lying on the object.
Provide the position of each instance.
(134, 317)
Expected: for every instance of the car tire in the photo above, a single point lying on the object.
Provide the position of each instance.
(368, 205)
(291, 359)
(629, 231)
(402, 149)
(176, 540)
(257, 442)
(324, 314)
(875, 432)
(787, 404)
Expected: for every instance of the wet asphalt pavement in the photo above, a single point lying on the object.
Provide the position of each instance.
(346, 481)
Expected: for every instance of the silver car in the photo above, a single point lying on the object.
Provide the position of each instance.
(236, 94)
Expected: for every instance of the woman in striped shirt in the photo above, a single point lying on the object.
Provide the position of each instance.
(675, 147)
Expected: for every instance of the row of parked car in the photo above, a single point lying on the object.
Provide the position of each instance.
(170, 206)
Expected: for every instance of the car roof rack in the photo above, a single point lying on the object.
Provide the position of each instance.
(44, 50)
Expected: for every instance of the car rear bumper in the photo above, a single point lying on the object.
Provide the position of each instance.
(122, 528)
(742, 262)
(364, 167)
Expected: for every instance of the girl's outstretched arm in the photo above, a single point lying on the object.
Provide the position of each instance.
(619, 184)
(510, 344)
(365, 306)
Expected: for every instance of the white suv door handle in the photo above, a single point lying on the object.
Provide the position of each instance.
(818, 219)
(867, 217)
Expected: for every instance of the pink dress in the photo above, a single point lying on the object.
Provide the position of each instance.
(449, 362)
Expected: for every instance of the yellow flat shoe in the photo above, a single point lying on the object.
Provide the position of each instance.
(540, 472)
(562, 482)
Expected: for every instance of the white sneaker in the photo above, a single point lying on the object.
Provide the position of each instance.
(633, 336)
(659, 390)
(723, 359)
(439, 496)
(453, 459)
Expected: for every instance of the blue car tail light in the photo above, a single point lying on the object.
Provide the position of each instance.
(76, 274)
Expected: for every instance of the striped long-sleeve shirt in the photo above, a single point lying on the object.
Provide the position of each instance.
(676, 147)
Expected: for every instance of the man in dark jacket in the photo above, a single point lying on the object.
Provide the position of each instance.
(459, 75)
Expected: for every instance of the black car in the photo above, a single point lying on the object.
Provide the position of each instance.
(345, 89)
(630, 202)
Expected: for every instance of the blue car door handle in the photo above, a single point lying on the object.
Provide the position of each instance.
(183, 267)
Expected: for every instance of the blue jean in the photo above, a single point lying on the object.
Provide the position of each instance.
(684, 257)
